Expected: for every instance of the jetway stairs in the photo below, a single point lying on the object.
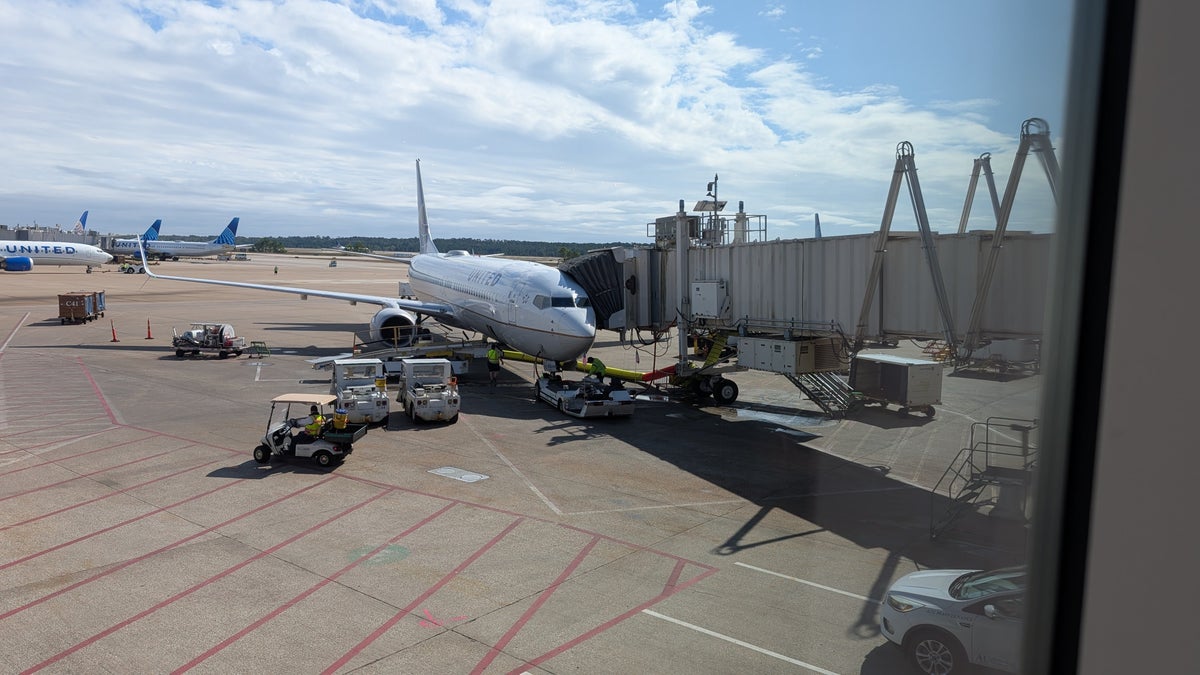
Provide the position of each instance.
(828, 390)
(993, 475)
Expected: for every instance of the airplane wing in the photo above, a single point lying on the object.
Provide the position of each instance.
(436, 310)
(399, 256)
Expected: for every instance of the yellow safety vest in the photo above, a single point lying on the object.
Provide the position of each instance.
(313, 428)
(493, 356)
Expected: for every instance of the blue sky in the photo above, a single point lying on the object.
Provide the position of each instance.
(562, 121)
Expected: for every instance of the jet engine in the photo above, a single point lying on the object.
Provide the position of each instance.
(17, 264)
(395, 327)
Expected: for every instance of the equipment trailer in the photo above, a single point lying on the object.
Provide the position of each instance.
(207, 337)
(589, 397)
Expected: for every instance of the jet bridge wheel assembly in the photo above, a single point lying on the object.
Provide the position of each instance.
(723, 391)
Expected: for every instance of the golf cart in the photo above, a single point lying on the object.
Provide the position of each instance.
(333, 442)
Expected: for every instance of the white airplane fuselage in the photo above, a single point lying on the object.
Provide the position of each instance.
(185, 249)
(530, 307)
(54, 252)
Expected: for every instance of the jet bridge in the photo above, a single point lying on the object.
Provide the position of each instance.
(717, 279)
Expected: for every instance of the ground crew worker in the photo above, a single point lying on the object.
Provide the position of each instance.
(494, 358)
(596, 367)
(312, 425)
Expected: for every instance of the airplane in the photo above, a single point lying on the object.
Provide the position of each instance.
(530, 307)
(196, 249)
(20, 256)
(131, 245)
(81, 224)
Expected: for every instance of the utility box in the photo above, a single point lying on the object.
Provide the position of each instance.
(791, 357)
(907, 382)
(709, 299)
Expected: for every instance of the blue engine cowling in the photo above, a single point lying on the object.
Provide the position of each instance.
(17, 264)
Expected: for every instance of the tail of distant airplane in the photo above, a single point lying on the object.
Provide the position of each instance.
(81, 224)
(817, 224)
(424, 240)
(229, 234)
(152, 231)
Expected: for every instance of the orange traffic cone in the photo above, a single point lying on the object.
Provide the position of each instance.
(148, 335)
(114, 330)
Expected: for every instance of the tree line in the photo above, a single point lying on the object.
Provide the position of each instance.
(510, 247)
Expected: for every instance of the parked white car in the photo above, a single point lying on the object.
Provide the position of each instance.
(947, 619)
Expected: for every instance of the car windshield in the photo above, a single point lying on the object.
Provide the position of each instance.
(988, 582)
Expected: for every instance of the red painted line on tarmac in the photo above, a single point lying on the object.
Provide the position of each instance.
(110, 528)
(537, 604)
(96, 388)
(186, 592)
(63, 459)
(86, 475)
(168, 547)
(26, 404)
(114, 493)
(610, 623)
(13, 434)
(674, 579)
(636, 547)
(313, 589)
(387, 625)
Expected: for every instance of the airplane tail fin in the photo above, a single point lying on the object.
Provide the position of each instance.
(229, 234)
(425, 241)
(81, 224)
(152, 231)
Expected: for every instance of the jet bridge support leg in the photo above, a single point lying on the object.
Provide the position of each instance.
(1035, 137)
(906, 167)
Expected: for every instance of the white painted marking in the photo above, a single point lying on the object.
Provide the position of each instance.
(810, 583)
(740, 643)
(512, 467)
(994, 431)
(14, 333)
(459, 474)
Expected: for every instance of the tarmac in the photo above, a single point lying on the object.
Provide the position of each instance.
(138, 535)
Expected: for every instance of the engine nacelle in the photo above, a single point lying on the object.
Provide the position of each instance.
(394, 327)
(17, 264)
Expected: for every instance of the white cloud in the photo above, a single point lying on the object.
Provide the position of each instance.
(542, 120)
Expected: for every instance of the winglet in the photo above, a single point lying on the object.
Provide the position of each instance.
(142, 254)
(424, 240)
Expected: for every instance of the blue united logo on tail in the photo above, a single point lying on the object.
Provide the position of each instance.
(229, 235)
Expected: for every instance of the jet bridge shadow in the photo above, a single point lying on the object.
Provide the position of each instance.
(772, 468)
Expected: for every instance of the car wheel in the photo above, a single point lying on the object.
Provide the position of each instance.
(323, 458)
(262, 454)
(936, 653)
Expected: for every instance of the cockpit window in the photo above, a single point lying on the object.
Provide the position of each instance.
(541, 301)
(570, 301)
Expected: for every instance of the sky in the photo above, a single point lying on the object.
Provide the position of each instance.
(539, 120)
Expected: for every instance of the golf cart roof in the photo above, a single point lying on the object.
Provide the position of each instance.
(312, 399)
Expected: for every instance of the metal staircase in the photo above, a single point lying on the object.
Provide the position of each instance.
(827, 390)
(993, 475)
